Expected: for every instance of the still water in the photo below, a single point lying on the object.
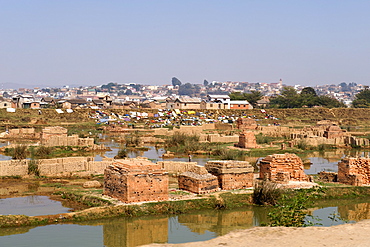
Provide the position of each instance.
(31, 206)
(196, 226)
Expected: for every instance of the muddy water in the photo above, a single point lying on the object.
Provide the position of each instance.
(197, 226)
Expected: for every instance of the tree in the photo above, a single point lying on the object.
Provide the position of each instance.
(205, 83)
(329, 102)
(289, 98)
(189, 89)
(128, 92)
(308, 91)
(308, 97)
(362, 99)
(252, 97)
(175, 82)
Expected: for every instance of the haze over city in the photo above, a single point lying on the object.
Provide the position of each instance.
(56, 43)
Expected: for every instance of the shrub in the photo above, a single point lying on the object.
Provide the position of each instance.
(133, 139)
(33, 168)
(43, 152)
(302, 144)
(19, 152)
(266, 193)
(122, 153)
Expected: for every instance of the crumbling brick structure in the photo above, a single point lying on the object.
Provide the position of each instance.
(282, 168)
(198, 183)
(57, 136)
(135, 180)
(246, 124)
(247, 140)
(334, 131)
(354, 171)
(231, 174)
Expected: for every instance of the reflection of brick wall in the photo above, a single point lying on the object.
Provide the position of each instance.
(281, 167)
(231, 174)
(133, 231)
(135, 180)
(354, 171)
(197, 183)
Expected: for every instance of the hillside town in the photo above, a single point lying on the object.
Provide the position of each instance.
(213, 95)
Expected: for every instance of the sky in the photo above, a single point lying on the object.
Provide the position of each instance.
(94, 42)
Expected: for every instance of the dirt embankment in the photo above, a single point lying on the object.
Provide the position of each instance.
(345, 116)
(340, 236)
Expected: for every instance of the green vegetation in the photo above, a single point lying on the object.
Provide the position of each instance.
(19, 152)
(291, 209)
(33, 168)
(252, 97)
(264, 139)
(183, 143)
(362, 99)
(289, 98)
(132, 139)
(227, 154)
(266, 193)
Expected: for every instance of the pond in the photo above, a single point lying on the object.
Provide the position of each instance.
(195, 226)
(31, 206)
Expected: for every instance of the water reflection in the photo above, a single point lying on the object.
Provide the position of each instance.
(31, 206)
(196, 226)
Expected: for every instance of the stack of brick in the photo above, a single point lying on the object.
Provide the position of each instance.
(198, 183)
(282, 168)
(354, 171)
(135, 180)
(247, 140)
(231, 174)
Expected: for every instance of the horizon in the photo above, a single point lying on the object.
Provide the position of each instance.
(91, 43)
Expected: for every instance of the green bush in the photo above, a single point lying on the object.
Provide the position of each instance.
(266, 193)
(19, 152)
(33, 168)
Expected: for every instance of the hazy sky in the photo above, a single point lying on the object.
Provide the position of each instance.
(93, 42)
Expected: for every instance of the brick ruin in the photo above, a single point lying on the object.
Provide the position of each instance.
(136, 180)
(198, 182)
(247, 140)
(231, 174)
(354, 171)
(57, 136)
(282, 168)
(21, 133)
(246, 124)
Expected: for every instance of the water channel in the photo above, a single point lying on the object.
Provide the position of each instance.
(196, 226)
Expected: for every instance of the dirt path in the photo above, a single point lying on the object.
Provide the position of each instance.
(343, 235)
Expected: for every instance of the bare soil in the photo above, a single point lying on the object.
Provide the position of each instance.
(340, 236)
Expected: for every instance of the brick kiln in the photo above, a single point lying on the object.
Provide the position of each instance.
(231, 174)
(354, 171)
(133, 180)
(282, 168)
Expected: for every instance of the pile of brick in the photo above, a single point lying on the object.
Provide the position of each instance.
(354, 171)
(282, 168)
(135, 180)
(231, 174)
